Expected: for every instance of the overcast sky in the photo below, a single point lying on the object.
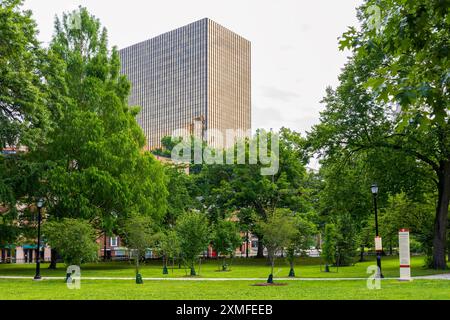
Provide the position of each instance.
(295, 52)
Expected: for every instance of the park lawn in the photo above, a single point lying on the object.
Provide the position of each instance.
(241, 268)
(223, 290)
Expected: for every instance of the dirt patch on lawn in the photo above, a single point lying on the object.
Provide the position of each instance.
(269, 284)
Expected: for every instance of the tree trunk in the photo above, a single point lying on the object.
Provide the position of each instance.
(260, 253)
(440, 223)
(53, 259)
(137, 263)
(291, 272)
(165, 262)
(361, 254)
(272, 264)
(224, 267)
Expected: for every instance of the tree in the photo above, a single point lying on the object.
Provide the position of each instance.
(410, 44)
(94, 167)
(329, 246)
(346, 240)
(179, 198)
(301, 240)
(24, 118)
(344, 194)
(278, 231)
(225, 239)
(401, 212)
(74, 239)
(193, 232)
(366, 236)
(169, 245)
(140, 233)
(168, 143)
(236, 187)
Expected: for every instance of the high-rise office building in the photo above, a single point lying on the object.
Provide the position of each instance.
(199, 73)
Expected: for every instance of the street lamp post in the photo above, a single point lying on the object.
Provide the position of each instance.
(374, 189)
(39, 205)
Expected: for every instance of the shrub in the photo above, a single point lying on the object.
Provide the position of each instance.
(74, 239)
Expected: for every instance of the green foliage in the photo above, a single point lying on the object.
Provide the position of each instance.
(225, 238)
(140, 234)
(402, 212)
(169, 244)
(179, 198)
(411, 45)
(329, 244)
(8, 233)
(400, 62)
(95, 168)
(193, 232)
(413, 37)
(242, 187)
(168, 144)
(24, 118)
(346, 241)
(301, 240)
(277, 230)
(75, 240)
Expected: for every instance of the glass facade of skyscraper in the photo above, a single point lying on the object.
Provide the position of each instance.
(198, 72)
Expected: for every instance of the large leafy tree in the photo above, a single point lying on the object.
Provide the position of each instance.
(94, 167)
(24, 117)
(345, 198)
(412, 39)
(242, 187)
(394, 95)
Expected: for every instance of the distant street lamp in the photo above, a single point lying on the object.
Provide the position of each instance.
(374, 189)
(39, 204)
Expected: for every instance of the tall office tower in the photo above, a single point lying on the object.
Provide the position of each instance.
(199, 73)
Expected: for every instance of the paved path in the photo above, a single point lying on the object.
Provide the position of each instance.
(445, 276)
(433, 277)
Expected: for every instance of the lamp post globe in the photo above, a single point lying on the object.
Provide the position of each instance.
(39, 205)
(374, 189)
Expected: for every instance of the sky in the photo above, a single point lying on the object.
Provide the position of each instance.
(295, 53)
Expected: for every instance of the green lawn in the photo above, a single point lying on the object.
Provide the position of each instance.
(228, 290)
(241, 268)
(223, 290)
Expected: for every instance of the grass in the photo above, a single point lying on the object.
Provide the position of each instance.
(223, 290)
(241, 268)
